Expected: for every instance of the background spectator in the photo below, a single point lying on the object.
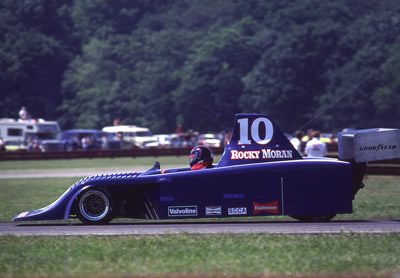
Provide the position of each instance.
(296, 141)
(2, 144)
(315, 147)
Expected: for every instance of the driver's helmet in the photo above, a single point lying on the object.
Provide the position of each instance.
(201, 157)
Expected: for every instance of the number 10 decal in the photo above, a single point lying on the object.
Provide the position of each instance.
(254, 131)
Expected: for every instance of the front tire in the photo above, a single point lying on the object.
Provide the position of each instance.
(313, 218)
(95, 206)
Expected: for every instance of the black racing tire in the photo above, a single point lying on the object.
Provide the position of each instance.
(95, 207)
(313, 218)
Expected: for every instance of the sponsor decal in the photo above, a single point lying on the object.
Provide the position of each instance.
(379, 147)
(164, 179)
(182, 211)
(235, 154)
(269, 207)
(269, 153)
(234, 196)
(237, 211)
(264, 154)
(23, 214)
(213, 210)
(166, 198)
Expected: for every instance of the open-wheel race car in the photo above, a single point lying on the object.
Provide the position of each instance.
(259, 174)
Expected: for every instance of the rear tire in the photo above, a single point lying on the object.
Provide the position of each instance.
(313, 218)
(95, 206)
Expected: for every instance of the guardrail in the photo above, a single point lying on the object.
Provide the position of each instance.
(386, 167)
(156, 152)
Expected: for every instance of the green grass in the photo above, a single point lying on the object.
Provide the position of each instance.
(18, 195)
(378, 199)
(23, 166)
(188, 254)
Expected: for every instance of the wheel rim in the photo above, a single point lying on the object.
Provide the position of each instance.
(94, 205)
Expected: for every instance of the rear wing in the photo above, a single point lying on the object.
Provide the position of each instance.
(369, 144)
(362, 146)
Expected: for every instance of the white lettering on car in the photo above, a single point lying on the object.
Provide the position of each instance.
(255, 131)
(182, 211)
(266, 154)
(269, 153)
(237, 211)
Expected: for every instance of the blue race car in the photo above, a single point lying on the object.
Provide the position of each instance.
(259, 174)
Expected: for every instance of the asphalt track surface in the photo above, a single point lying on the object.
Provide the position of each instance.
(240, 227)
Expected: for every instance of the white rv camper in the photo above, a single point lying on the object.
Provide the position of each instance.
(18, 134)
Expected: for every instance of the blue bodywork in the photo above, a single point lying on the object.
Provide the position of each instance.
(260, 173)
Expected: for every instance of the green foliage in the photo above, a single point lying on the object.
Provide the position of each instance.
(211, 78)
(33, 55)
(307, 63)
(385, 101)
(356, 84)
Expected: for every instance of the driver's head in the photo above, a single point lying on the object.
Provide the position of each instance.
(201, 157)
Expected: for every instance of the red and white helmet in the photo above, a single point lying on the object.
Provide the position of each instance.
(201, 157)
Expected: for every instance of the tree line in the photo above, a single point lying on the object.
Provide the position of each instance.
(160, 63)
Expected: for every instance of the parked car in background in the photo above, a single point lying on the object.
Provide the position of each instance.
(177, 141)
(134, 136)
(210, 140)
(76, 139)
(324, 137)
(30, 134)
(164, 140)
(184, 140)
(15, 146)
(328, 138)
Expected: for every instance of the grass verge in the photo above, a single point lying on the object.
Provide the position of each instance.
(23, 166)
(18, 195)
(194, 254)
